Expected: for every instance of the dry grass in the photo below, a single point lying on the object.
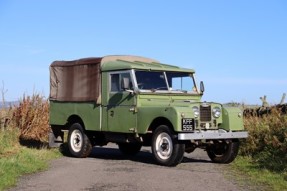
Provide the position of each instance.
(29, 121)
(31, 117)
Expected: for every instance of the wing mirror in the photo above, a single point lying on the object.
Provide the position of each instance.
(126, 85)
(201, 87)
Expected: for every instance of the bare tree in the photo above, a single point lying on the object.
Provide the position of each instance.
(3, 92)
(2, 119)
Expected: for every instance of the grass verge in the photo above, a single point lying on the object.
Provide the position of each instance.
(252, 173)
(17, 160)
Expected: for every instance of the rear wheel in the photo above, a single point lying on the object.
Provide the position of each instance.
(130, 148)
(78, 142)
(223, 152)
(166, 149)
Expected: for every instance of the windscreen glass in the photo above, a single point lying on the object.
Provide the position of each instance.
(148, 80)
(179, 81)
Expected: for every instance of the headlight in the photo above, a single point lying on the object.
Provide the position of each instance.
(195, 111)
(216, 111)
(239, 114)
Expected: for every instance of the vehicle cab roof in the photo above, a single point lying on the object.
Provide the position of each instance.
(120, 62)
(109, 63)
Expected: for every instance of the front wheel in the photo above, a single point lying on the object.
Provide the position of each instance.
(165, 148)
(78, 142)
(223, 152)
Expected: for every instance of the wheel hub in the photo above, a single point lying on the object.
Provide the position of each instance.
(164, 146)
(76, 140)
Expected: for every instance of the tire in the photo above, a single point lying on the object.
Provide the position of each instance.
(78, 143)
(223, 152)
(165, 148)
(130, 148)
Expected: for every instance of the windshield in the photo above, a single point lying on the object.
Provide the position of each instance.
(180, 81)
(168, 81)
(151, 80)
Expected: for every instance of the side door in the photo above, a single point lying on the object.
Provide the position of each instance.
(121, 103)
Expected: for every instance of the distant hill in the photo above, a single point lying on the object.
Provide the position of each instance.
(234, 104)
(9, 103)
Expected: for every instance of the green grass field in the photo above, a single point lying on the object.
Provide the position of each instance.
(250, 172)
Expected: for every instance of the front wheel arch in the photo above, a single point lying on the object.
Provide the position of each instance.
(160, 121)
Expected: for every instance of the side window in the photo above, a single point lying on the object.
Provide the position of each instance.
(116, 81)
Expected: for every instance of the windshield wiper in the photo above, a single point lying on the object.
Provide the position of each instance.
(159, 88)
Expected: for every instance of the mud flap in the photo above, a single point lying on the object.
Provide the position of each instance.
(55, 140)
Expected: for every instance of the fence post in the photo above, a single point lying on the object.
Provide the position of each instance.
(283, 99)
(1, 124)
(264, 101)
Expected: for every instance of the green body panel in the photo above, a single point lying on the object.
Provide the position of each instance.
(232, 119)
(122, 120)
(147, 114)
(89, 113)
(129, 118)
(120, 112)
(172, 107)
(153, 106)
(161, 99)
(117, 116)
(105, 89)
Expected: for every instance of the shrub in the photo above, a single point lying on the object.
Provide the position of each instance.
(267, 141)
(32, 118)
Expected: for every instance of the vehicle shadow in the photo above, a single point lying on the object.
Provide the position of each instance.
(194, 160)
(108, 153)
(144, 156)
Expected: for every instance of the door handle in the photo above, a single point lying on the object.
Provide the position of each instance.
(112, 113)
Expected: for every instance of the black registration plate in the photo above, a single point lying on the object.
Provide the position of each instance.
(187, 124)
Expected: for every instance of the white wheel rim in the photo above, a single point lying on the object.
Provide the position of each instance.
(163, 146)
(76, 140)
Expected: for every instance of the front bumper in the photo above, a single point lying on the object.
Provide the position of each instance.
(210, 135)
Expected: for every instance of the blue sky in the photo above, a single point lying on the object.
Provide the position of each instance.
(238, 48)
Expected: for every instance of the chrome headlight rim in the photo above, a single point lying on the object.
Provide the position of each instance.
(216, 112)
(195, 110)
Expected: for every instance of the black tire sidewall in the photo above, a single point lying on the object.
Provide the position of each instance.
(228, 156)
(86, 145)
(177, 152)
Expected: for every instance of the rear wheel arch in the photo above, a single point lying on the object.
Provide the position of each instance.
(75, 119)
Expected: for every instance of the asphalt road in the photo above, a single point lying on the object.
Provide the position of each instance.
(108, 170)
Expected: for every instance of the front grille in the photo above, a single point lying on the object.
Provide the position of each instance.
(205, 113)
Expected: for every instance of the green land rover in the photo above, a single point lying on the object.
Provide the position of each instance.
(134, 101)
